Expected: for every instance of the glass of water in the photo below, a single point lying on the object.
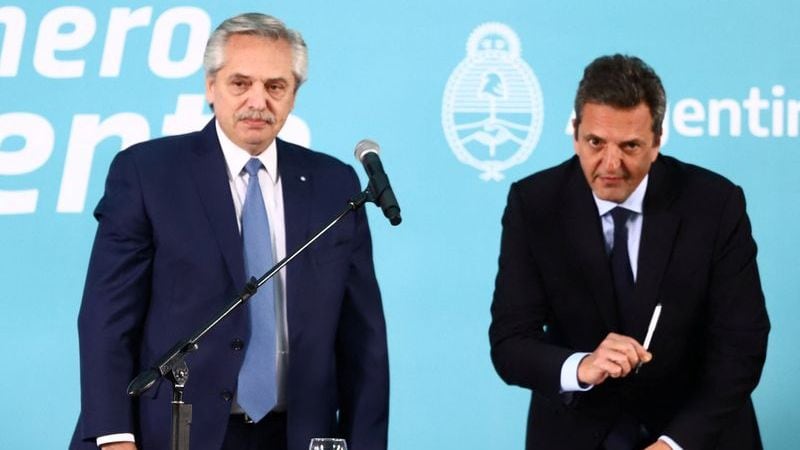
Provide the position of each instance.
(327, 444)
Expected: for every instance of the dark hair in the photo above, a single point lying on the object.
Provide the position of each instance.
(621, 81)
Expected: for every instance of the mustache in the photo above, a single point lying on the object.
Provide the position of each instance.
(266, 116)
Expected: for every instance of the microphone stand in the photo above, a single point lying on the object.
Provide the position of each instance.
(172, 365)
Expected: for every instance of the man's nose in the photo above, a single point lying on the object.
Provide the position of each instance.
(612, 157)
(257, 98)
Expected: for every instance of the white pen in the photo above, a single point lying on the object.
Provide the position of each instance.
(650, 330)
(652, 327)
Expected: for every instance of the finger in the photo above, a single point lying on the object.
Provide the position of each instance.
(615, 363)
(635, 353)
(611, 364)
(624, 362)
(622, 352)
(609, 367)
(629, 346)
(595, 368)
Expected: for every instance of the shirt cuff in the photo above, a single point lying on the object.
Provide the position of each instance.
(118, 437)
(670, 442)
(569, 374)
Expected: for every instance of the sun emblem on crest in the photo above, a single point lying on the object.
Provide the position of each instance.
(492, 112)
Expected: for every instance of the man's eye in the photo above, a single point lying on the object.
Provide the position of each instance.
(276, 90)
(240, 85)
(631, 147)
(594, 142)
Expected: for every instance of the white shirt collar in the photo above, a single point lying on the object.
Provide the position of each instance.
(634, 202)
(236, 157)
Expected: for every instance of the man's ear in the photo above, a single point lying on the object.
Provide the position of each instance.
(210, 91)
(575, 124)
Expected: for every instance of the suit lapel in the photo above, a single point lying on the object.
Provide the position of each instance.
(659, 230)
(296, 182)
(209, 172)
(583, 229)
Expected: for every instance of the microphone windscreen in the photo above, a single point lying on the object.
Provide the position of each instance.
(366, 146)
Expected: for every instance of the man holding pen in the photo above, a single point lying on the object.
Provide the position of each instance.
(615, 248)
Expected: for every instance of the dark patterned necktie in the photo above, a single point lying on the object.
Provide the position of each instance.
(621, 267)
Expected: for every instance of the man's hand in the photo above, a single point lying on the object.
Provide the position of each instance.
(658, 445)
(615, 357)
(119, 446)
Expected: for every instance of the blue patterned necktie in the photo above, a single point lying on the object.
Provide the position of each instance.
(256, 392)
(621, 267)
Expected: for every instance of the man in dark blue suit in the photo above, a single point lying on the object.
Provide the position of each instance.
(169, 253)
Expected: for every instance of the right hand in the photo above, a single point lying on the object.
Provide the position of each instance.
(119, 446)
(615, 357)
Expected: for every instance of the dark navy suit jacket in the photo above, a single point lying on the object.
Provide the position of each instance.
(554, 296)
(168, 256)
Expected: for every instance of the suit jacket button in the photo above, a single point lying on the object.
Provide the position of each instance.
(237, 344)
(227, 395)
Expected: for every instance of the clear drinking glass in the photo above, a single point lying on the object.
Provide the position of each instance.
(327, 444)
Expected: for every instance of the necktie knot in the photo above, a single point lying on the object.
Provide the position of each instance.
(252, 167)
(620, 216)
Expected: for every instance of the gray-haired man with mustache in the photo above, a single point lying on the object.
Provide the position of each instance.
(183, 223)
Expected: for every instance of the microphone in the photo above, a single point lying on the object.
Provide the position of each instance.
(381, 191)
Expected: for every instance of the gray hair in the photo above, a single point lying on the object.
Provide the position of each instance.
(255, 24)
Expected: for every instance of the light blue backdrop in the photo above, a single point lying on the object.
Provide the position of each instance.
(379, 70)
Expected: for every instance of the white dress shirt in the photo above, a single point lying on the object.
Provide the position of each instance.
(272, 191)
